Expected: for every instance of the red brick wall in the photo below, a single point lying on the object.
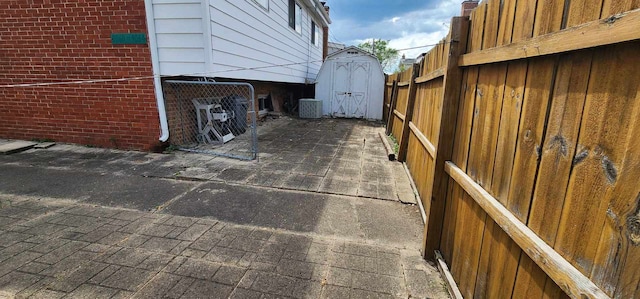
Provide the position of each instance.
(66, 40)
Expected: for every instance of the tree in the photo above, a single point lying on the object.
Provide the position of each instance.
(380, 48)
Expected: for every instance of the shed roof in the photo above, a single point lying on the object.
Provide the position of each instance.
(351, 48)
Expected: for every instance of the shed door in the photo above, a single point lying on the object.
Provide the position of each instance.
(340, 90)
(359, 87)
(350, 89)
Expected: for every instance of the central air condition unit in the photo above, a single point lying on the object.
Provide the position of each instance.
(310, 108)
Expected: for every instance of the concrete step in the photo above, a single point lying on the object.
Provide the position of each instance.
(16, 147)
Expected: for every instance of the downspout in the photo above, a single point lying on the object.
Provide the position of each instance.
(307, 79)
(155, 63)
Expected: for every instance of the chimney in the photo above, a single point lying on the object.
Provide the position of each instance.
(325, 42)
(325, 35)
(467, 7)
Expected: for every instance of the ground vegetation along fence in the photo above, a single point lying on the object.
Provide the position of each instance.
(520, 130)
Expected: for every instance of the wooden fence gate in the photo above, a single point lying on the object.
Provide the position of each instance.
(521, 131)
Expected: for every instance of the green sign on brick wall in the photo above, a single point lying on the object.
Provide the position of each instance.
(128, 39)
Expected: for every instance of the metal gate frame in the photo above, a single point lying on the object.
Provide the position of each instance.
(177, 87)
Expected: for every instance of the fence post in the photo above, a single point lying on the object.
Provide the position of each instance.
(387, 97)
(404, 141)
(452, 86)
(392, 106)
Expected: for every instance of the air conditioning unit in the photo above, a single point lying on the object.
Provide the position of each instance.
(310, 108)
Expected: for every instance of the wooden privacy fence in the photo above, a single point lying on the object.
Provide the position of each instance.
(521, 130)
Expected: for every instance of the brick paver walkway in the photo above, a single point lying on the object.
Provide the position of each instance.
(56, 248)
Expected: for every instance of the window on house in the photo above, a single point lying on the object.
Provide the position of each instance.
(315, 33)
(263, 3)
(295, 16)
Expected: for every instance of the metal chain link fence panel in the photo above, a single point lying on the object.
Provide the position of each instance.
(215, 118)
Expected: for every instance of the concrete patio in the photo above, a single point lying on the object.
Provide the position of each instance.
(318, 217)
(327, 156)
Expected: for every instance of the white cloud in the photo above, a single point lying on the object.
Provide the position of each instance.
(413, 29)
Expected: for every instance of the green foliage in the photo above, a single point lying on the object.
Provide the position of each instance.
(170, 149)
(380, 48)
(394, 143)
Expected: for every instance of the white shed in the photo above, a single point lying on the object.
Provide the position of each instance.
(351, 84)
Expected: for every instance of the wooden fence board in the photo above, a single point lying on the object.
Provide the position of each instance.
(490, 88)
(572, 280)
(507, 24)
(611, 7)
(524, 20)
(508, 129)
(484, 134)
(477, 18)
(624, 273)
(595, 179)
(537, 94)
(499, 252)
(530, 280)
(582, 11)
(490, 35)
(558, 150)
(503, 255)
(470, 228)
(626, 204)
(559, 146)
(516, 133)
(549, 15)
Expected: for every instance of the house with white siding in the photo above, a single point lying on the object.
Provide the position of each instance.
(277, 45)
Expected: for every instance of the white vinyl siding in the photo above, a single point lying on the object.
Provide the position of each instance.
(254, 44)
(180, 36)
(263, 3)
(236, 39)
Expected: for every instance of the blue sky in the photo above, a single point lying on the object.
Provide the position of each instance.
(404, 23)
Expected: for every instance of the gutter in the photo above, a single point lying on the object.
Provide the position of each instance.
(319, 9)
(155, 63)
